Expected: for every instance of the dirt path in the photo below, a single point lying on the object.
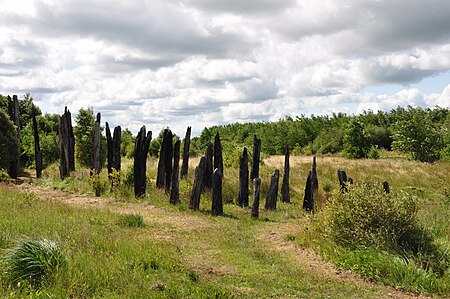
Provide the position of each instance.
(273, 234)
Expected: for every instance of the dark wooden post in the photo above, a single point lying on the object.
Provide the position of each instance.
(207, 175)
(168, 155)
(185, 165)
(161, 175)
(64, 147)
(255, 205)
(109, 145)
(194, 203)
(342, 180)
(386, 187)
(96, 155)
(70, 139)
(175, 183)
(117, 140)
(315, 181)
(13, 111)
(285, 195)
(217, 204)
(272, 194)
(256, 157)
(243, 179)
(140, 161)
(218, 158)
(308, 200)
(37, 149)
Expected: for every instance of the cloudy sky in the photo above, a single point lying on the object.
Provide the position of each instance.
(203, 62)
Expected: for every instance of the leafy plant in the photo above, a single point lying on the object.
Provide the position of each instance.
(34, 261)
(131, 220)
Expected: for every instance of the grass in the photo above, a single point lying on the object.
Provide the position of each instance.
(183, 254)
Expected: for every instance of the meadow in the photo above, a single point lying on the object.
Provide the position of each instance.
(117, 246)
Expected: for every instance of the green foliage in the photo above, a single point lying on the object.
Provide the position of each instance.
(415, 133)
(373, 153)
(366, 216)
(356, 140)
(127, 144)
(329, 141)
(33, 261)
(9, 146)
(97, 183)
(27, 109)
(83, 132)
(131, 220)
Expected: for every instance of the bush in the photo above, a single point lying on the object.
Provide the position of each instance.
(366, 216)
(9, 145)
(373, 153)
(34, 261)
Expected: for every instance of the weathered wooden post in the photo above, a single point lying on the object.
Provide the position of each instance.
(218, 158)
(285, 195)
(315, 181)
(256, 157)
(386, 187)
(217, 204)
(207, 175)
(161, 175)
(71, 139)
(64, 145)
(243, 179)
(185, 164)
(37, 148)
(168, 155)
(113, 145)
(13, 111)
(194, 203)
(342, 180)
(308, 200)
(96, 155)
(140, 161)
(255, 205)
(272, 194)
(174, 183)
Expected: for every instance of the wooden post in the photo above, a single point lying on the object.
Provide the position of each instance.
(315, 181)
(243, 179)
(13, 111)
(255, 205)
(96, 165)
(255, 158)
(386, 187)
(174, 183)
(285, 195)
(342, 180)
(207, 175)
(194, 203)
(117, 140)
(272, 194)
(218, 158)
(161, 175)
(37, 149)
(70, 140)
(140, 161)
(217, 204)
(308, 200)
(64, 145)
(109, 146)
(168, 157)
(185, 165)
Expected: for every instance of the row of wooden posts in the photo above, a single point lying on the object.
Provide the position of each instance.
(208, 174)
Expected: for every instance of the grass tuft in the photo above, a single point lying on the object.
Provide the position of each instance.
(33, 261)
(131, 220)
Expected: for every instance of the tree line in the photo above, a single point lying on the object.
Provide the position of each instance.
(423, 134)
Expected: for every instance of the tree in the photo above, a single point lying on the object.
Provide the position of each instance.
(83, 132)
(27, 110)
(356, 140)
(9, 145)
(416, 134)
(127, 144)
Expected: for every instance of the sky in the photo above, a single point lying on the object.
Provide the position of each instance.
(200, 63)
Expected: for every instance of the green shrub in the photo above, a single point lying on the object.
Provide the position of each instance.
(33, 261)
(373, 153)
(131, 220)
(366, 216)
(97, 183)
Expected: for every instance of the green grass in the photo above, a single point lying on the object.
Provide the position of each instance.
(179, 253)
